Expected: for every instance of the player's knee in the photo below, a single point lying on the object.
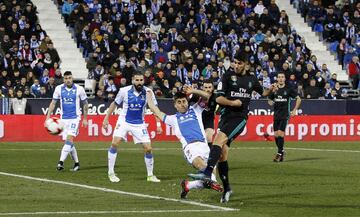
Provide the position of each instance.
(147, 149)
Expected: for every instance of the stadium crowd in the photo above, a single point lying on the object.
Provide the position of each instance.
(29, 62)
(173, 42)
(339, 24)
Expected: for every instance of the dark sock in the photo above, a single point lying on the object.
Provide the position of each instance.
(277, 142)
(214, 156)
(280, 145)
(223, 169)
(61, 163)
(210, 144)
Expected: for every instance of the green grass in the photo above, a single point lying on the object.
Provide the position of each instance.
(308, 183)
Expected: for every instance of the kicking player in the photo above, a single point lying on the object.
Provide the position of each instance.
(131, 119)
(281, 98)
(234, 95)
(189, 130)
(69, 95)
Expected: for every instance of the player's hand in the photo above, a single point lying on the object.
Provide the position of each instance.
(274, 87)
(159, 130)
(293, 113)
(270, 102)
(85, 123)
(105, 123)
(188, 89)
(236, 103)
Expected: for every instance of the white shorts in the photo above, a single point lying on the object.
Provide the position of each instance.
(139, 132)
(71, 127)
(196, 149)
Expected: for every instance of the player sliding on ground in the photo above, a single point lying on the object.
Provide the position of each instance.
(131, 119)
(187, 123)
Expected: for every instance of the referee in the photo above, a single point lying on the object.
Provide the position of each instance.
(281, 98)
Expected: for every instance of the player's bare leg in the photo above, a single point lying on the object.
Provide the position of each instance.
(149, 163)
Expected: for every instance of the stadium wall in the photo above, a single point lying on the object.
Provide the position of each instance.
(29, 128)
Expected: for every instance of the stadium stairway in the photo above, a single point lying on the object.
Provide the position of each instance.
(71, 57)
(313, 41)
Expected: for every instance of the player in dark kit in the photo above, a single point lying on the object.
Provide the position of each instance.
(208, 114)
(281, 98)
(234, 95)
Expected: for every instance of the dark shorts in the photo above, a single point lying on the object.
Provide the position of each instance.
(280, 125)
(232, 127)
(208, 123)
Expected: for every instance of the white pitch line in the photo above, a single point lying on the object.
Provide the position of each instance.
(120, 192)
(166, 149)
(109, 212)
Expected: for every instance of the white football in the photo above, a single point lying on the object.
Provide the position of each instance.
(54, 125)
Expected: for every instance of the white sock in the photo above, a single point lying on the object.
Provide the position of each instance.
(74, 154)
(198, 184)
(112, 153)
(65, 150)
(213, 177)
(149, 162)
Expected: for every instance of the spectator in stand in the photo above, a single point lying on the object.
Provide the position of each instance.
(312, 91)
(354, 72)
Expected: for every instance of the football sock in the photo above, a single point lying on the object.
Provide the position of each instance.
(277, 142)
(210, 144)
(74, 154)
(223, 169)
(149, 162)
(112, 153)
(66, 150)
(280, 145)
(214, 156)
(197, 184)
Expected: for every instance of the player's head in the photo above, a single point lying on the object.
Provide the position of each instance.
(138, 81)
(281, 78)
(181, 102)
(208, 86)
(239, 66)
(68, 79)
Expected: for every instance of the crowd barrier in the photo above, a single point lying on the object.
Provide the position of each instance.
(29, 128)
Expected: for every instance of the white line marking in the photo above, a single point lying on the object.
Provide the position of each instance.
(120, 192)
(109, 212)
(166, 149)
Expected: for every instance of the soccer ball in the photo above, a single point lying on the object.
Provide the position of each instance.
(54, 126)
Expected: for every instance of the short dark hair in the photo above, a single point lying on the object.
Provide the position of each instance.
(208, 81)
(179, 95)
(137, 73)
(67, 73)
(281, 73)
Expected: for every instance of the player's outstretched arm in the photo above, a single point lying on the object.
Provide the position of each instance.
(203, 94)
(297, 106)
(85, 113)
(153, 107)
(110, 110)
(51, 108)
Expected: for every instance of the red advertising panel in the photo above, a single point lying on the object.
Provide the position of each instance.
(22, 128)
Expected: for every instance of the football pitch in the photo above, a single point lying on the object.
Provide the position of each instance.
(316, 179)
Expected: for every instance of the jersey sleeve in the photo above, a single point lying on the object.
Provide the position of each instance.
(257, 86)
(292, 93)
(271, 96)
(222, 86)
(169, 120)
(57, 93)
(82, 94)
(120, 97)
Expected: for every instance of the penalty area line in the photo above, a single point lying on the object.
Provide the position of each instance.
(120, 192)
(109, 212)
